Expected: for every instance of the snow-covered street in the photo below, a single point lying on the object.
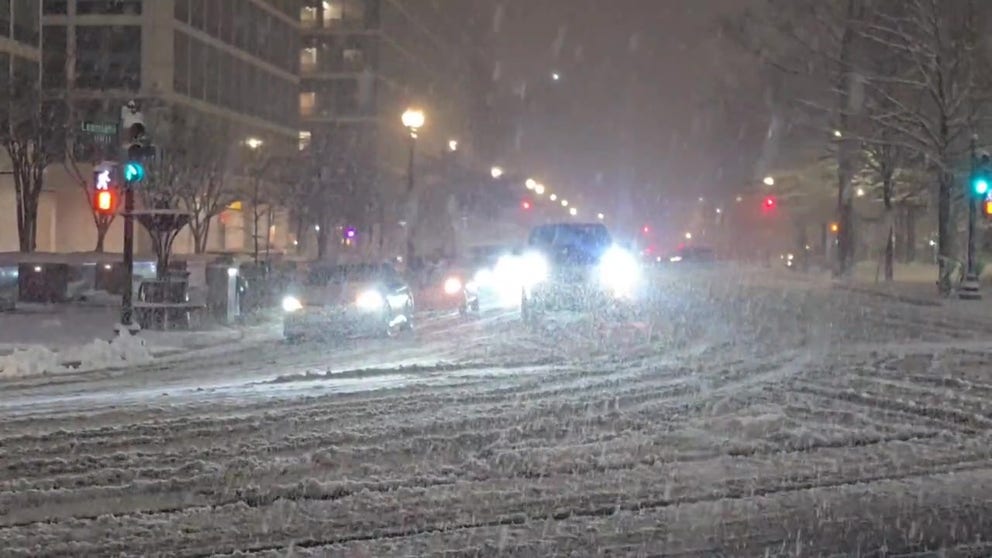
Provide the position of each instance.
(761, 415)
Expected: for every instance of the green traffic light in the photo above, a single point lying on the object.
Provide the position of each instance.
(980, 186)
(134, 172)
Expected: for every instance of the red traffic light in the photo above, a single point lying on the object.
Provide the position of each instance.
(646, 229)
(525, 204)
(770, 202)
(104, 202)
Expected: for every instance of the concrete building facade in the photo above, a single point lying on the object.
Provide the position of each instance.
(229, 63)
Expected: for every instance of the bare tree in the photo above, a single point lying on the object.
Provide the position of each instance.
(939, 44)
(33, 134)
(208, 189)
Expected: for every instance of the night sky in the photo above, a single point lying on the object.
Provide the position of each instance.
(653, 103)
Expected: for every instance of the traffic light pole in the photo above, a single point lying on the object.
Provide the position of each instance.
(970, 287)
(127, 306)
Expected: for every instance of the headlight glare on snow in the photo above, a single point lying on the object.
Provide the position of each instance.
(291, 304)
(452, 286)
(619, 271)
(370, 300)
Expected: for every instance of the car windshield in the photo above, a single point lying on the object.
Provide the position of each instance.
(496, 278)
(592, 237)
(351, 273)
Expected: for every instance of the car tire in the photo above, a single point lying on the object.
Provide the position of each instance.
(528, 311)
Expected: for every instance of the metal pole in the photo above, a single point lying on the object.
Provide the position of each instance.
(972, 208)
(410, 251)
(127, 306)
(970, 287)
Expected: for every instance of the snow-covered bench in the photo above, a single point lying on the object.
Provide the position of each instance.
(164, 314)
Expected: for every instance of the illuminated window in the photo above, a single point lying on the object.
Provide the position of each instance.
(308, 59)
(333, 12)
(308, 16)
(308, 102)
(305, 136)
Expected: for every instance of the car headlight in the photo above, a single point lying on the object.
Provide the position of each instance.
(370, 300)
(452, 286)
(291, 304)
(483, 277)
(619, 271)
(533, 269)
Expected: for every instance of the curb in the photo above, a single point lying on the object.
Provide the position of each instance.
(916, 301)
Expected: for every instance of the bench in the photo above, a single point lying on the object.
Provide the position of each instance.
(160, 315)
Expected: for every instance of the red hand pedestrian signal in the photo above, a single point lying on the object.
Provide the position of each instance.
(104, 202)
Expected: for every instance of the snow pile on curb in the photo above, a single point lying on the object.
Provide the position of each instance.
(36, 360)
(32, 361)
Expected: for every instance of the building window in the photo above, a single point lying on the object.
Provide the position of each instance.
(55, 7)
(308, 17)
(180, 53)
(305, 137)
(27, 21)
(109, 57)
(181, 11)
(54, 51)
(308, 59)
(333, 12)
(197, 77)
(308, 103)
(109, 7)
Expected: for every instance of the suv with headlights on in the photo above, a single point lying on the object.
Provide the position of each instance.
(575, 266)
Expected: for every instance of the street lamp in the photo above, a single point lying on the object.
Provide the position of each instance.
(860, 192)
(564, 203)
(530, 183)
(769, 181)
(688, 236)
(573, 212)
(413, 119)
(496, 172)
(553, 197)
(254, 143)
(539, 189)
(600, 216)
(452, 145)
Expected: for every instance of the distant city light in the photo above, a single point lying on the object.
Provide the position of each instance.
(254, 143)
(860, 192)
(719, 211)
(539, 189)
(688, 236)
(452, 145)
(553, 197)
(837, 134)
(701, 199)
(530, 183)
(555, 76)
(769, 181)
(496, 172)
(739, 199)
(600, 216)
(564, 203)
(573, 212)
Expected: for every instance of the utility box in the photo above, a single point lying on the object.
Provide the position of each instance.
(222, 292)
(8, 288)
